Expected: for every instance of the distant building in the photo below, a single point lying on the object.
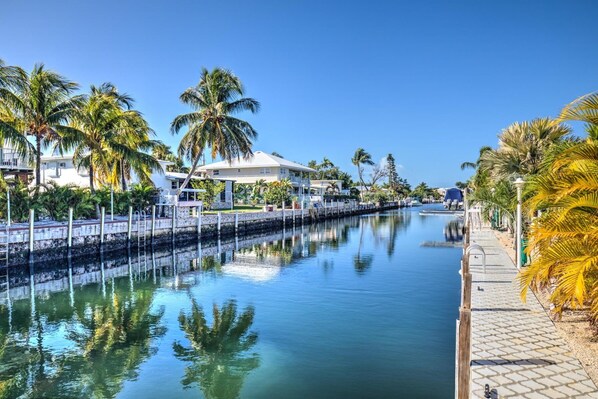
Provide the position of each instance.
(260, 166)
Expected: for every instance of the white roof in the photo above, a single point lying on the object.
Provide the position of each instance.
(258, 160)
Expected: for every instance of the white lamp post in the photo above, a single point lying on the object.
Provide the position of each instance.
(519, 185)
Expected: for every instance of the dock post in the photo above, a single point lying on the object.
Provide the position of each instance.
(153, 229)
(69, 233)
(102, 225)
(219, 221)
(130, 224)
(198, 221)
(283, 221)
(31, 229)
(236, 222)
(464, 343)
(174, 215)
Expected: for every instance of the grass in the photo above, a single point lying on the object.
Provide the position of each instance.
(238, 208)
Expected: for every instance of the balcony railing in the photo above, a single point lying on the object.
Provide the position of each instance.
(11, 160)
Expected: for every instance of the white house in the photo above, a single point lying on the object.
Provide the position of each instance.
(61, 170)
(260, 166)
(12, 165)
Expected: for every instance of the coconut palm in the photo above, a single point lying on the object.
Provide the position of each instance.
(109, 138)
(219, 355)
(215, 99)
(474, 165)
(11, 78)
(360, 158)
(564, 239)
(40, 107)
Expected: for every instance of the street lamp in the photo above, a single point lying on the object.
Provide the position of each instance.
(519, 185)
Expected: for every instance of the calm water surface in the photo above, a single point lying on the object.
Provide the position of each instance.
(352, 308)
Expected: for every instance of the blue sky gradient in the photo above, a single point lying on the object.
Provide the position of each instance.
(428, 81)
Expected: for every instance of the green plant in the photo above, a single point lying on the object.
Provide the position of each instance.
(211, 189)
(54, 201)
(277, 192)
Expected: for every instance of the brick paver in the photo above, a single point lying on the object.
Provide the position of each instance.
(515, 347)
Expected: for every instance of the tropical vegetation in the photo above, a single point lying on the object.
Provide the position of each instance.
(215, 100)
(560, 201)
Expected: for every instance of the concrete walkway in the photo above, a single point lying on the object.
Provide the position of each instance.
(515, 346)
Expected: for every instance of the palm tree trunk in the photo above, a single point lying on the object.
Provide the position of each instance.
(38, 160)
(123, 181)
(91, 187)
(186, 181)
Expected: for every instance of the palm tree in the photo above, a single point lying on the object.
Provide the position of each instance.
(564, 239)
(474, 165)
(109, 138)
(11, 79)
(522, 147)
(41, 107)
(361, 157)
(215, 99)
(258, 189)
(218, 354)
(584, 109)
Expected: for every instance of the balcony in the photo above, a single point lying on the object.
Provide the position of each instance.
(11, 161)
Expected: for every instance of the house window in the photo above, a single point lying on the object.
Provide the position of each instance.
(62, 164)
(239, 170)
(283, 171)
(216, 172)
(174, 185)
(265, 171)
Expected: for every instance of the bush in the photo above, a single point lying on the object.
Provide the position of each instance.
(54, 201)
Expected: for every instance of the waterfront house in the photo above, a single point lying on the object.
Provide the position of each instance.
(61, 170)
(261, 166)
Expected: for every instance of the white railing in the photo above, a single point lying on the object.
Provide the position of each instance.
(9, 159)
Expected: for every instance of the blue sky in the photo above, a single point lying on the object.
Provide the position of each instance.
(428, 81)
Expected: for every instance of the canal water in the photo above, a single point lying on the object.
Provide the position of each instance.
(349, 308)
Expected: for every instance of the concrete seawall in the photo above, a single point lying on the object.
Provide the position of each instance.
(51, 239)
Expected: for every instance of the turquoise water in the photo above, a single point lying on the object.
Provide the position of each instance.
(352, 308)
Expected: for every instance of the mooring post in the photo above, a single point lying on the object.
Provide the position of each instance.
(102, 224)
(236, 222)
(69, 232)
(283, 214)
(130, 224)
(174, 216)
(153, 222)
(293, 212)
(31, 229)
(464, 354)
(198, 221)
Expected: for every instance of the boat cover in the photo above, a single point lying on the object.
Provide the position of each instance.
(453, 194)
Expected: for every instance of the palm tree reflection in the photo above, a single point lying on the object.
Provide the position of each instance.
(218, 354)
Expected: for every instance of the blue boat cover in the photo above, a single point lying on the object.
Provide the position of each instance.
(453, 194)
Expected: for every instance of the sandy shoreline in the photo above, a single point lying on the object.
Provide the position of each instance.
(574, 326)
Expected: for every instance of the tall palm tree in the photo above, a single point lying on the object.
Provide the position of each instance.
(360, 158)
(109, 138)
(12, 78)
(564, 239)
(215, 99)
(41, 107)
(474, 165)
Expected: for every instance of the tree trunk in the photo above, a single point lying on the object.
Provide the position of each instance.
(123, 181)
(186, 181)
(91, 187)
(38, 160)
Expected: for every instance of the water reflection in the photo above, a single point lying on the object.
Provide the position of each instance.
(453, 231)
(219, 355)
(54, 349)
(84, 328)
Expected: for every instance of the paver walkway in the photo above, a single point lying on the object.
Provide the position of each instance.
(515, 346)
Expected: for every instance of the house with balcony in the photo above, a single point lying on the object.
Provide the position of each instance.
(12, 165)
(61, 170)
(261, 166)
